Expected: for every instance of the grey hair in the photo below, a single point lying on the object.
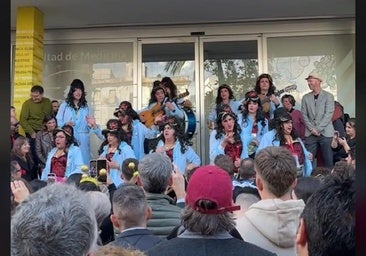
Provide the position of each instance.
(52, 221)
(207, 224)
(129, 205)
(155, 171)
(101, 205)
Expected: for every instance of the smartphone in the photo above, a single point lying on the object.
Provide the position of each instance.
(95, 166)
(51, 178)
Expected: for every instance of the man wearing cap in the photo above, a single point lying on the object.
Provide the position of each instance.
(208, 219)
(317, 108)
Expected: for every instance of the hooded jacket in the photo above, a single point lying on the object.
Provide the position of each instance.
(272, 224)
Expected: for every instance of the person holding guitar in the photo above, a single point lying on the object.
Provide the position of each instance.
(160, 104)
(266, 92)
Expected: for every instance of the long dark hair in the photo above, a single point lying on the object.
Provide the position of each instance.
(218, 96)
(252, 96)
(152, 94)
(220, 128)
(47, 118)
(280, 135)
(76, 84)
(168, 82)
(179, 134)
(271, 88)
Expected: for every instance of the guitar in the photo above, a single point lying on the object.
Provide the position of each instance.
(265, 101)
(148, 116)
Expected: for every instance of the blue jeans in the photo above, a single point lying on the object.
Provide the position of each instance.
(313, 142)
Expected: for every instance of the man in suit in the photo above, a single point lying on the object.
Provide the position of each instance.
(130, 215)
(317, 108)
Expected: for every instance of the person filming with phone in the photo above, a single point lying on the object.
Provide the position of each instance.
(342, 145)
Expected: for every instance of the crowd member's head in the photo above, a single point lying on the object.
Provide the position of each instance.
(124, 105)
(320, 171)
(306, 186)
(351, 158)
(76, 92)
(37, 93)
(155, 173)
(101, 205)
(14, 125)
(37, 184)
(112, 250)
(21, 148)
(129, 168)
(350, 128)
(63, 139)
(275, 169)
(276, 115)
(169, 86)
(227, 122)
(158, 94)
(245, 200)
(13, 111)
(224, 92)
(49, 122)
(88, 183)
(15, 170)
(343, 170)
(226, 163)
(246, 169)
(55, 106)
(288, 101)
(52, 221)
(173, 129)
(327, 226)
(209, 202)
(265, 83)
(130, 208)
(113, 124)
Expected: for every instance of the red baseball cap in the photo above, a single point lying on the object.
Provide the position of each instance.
(211, 183)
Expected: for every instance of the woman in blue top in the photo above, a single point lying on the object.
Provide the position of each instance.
(228, 139)
(136, 131)
(253, 122)
(225, 96)
(285, 136)
(175, 145)
(65, 158)
(116, 151)
(74, 111)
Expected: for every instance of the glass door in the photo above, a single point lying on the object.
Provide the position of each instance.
(174, 58)
(200, 65)
(231, 61)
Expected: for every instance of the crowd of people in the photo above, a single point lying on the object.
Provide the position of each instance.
(271, 167)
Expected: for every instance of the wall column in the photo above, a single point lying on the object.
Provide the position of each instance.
(28, 66)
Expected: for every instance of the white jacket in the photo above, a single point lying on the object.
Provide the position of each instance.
(272, 224)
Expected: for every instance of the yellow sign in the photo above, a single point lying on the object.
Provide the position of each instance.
(28, 66)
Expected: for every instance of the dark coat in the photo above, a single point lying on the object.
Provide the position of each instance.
(141, 239)
(201, 246)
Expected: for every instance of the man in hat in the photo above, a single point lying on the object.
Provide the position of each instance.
(317, 109)
(208, 219)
